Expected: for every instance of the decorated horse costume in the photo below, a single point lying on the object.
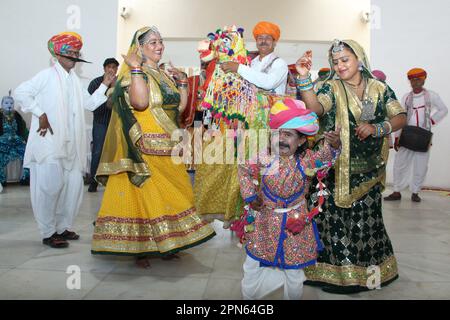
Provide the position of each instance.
(234, 103)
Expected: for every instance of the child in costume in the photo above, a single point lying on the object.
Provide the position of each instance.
(279, 235)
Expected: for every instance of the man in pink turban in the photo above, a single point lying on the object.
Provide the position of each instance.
(56, 147)
(280, 240)
(267, 71)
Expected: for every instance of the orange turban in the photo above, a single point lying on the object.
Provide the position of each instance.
(64, 41)
(265, 27)
(324, 72)
(417, 73)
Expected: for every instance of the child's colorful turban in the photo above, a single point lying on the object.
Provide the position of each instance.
(292, 114)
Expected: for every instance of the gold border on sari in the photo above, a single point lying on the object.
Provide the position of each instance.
(351, 275)
(120, 166)
(344, 196)
(156, 99)
(136, 235)
(159, 144)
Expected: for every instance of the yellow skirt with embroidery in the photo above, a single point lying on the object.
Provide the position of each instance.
(158, 218)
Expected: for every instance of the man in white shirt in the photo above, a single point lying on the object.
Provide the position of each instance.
(267, 71)
(419, 104)
(56, 150)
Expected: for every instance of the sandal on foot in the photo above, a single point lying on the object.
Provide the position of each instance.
(69, 235)
(55, 241)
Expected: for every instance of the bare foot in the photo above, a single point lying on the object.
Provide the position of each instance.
(143, 262)
(170, 257)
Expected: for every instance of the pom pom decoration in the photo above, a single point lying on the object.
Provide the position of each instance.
(228, 94)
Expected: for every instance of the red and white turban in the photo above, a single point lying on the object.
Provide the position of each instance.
(417, 73)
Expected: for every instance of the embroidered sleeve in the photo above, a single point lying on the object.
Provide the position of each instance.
(393, 106)
(323, 158)
(326, 97)
(247, 174)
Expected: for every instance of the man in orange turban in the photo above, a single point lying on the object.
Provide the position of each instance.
(56, 148)
(267, 71)
(424, 109)
(417, 73)
(266, 28)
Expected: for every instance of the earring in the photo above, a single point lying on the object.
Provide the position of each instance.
(360, 66)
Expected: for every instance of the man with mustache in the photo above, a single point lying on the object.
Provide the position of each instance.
(279, 235)
(56, 148)
(424, 109)
(267, 71)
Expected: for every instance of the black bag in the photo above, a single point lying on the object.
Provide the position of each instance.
(415, 138)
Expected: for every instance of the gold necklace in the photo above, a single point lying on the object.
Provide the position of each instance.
(357, 85)
(356, 88)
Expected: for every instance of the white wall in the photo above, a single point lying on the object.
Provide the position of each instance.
(414, 33)
(306, 20)
(26, 26)
(304, 24)
(183, 53)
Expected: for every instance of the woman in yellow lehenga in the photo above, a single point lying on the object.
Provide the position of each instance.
(148, 206)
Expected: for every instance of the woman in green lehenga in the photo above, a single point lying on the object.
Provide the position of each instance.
(356, 245)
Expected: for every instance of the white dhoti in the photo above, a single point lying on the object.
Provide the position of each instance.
(260, 281)
(56, 196)
(405, 160)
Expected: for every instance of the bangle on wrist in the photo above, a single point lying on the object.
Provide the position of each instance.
(389, 127)
(381, 130)
(136, 71)
(298, 77)
(306, 88)
(304, 84)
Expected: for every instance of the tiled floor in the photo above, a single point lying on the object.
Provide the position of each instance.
(420, 233)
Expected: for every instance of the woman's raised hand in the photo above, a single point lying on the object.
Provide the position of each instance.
(132, 60)
(304, 64)
(176, 73)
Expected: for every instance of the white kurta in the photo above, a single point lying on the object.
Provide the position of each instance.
(275, 77)
(57, 161)
(407, 160)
